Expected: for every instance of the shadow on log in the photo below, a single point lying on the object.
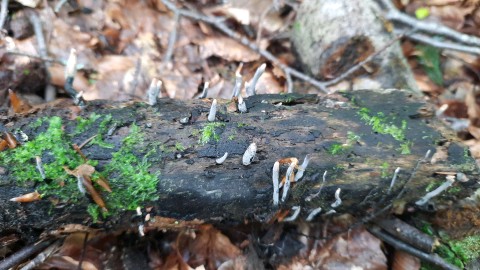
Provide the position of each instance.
(359, 138)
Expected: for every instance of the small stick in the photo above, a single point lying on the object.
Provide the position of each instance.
(430, 258)
(46, 59)
(172, 39)
(23, 254)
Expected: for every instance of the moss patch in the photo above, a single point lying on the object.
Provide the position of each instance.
(54, 147)
(129, 175)
(382, 125)
(209, 133)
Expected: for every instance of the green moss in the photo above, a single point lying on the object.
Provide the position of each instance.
(94, 211)
(54, 147)
(467, 249)
(382, 125)
(37, 123)
(240, 125)
(129, 176)
(208, 133)
(231, 137)
(84, 123)
(102, 131)
(384, 169)
(336, 149)
(179, 147)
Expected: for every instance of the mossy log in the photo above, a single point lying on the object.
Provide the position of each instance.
(152, 159)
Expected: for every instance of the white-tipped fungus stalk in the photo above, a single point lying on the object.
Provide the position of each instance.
(205, 90)
(312, 196)
(253, 83)
(302, 168)
(275, 179)
(71, 67)
(314, 213)
(338, 200)
(242, 107)
(238, 85)
(462, 177)
(40, 168)
(286, 187)
(249, 154)
(394, 179)
(296, 213)
(222, 159)
(437, 191)
(213, 111)
(80, 186)
(153, 91)
(427, 155)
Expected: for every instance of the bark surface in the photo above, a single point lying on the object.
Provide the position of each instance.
(347, 135)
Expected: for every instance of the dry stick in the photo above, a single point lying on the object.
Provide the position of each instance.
(444, 45)
(23, 254)
(430, 258)
(50, 91)
(46, 59)
(172, 38)
(3, 13)
(218, 23)
(429, 27)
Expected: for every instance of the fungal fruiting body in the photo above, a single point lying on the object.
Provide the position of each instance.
(153, 91)
(242, 107)
(338, 200)
(286, 187)
(222, 159)
(249, 154)
(275, 177)
(204, 91)
(394, 178)
(437, 191)
(296, 212)
(71, 67)
(252, 84)
(238, 85)
(314, 212)
(302, 168)
(213, 111)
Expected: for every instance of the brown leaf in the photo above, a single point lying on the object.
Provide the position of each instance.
(3, 145)
(29, 197)
(208, 247)
(10, 139)
(18, 105)
(103, 183)
(87, 183)
(227, 49)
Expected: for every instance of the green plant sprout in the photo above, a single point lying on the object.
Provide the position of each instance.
(208, 133)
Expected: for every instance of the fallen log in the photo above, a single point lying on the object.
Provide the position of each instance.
(162, 158)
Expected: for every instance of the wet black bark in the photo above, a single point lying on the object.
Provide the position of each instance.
(192, 186)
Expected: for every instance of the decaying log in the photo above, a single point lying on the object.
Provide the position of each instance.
(359, 138)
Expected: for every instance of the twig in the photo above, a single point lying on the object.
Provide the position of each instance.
(46, 59)
(50, 91)
(23, 254)
(430, 258)
(173, 37)
(429, 27)
(3, 13)
(218, 23)
(444, 45)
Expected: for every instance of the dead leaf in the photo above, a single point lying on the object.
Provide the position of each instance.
(29, 197)
(18, 105)
(227, 49)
